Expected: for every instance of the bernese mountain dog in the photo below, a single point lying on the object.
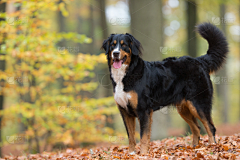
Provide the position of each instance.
(141, 87)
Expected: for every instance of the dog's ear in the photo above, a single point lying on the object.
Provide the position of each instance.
(106, 42)
(136, 46)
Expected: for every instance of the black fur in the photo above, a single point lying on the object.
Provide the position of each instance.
(106, 44)
(218, 46)
(135, 45)
(169, 82)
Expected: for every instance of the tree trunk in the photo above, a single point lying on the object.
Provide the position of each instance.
(105, 82)
(191, 22)
(79, 29)
(192, 41)
(147, 27)
(103, 21)
(62, 28)
(91, 46)
(2, 68)
(191, 35)
(105, 89)
(222, 89)
(61, 24)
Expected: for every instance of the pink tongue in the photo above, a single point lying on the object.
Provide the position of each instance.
(117, 65)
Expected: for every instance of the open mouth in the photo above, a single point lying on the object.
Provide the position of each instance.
(117, 63)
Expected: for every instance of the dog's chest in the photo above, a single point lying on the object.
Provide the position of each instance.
(120, 96)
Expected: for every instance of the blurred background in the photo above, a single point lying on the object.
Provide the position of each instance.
(55, 90)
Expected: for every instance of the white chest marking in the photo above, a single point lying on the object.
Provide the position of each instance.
(120, 96)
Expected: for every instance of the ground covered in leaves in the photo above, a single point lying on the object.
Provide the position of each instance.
(176, 148)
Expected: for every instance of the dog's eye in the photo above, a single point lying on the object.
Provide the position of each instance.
(113, 45)
(124, 45)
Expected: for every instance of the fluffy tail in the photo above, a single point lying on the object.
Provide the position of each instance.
(218, 46)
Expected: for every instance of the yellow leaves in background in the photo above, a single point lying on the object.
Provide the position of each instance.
(62, 7)
(61, 110)
(89, 61)
(47, 84)
(88, 86)
(102, 58)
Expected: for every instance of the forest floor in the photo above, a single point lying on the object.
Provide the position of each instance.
(175, 148)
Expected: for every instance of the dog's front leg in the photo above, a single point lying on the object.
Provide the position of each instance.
(129, 122)
(145, 120)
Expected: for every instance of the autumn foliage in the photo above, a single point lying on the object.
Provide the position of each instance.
(228, 147)
(47, 85)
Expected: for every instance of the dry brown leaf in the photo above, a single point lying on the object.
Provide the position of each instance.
(171, 149)
(226, 147)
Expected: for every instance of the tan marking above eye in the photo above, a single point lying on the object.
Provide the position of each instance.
(121, 42)
(114, 41)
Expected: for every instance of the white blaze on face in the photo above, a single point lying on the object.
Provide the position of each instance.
(116, 49)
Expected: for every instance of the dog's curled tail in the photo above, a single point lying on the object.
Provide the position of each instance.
(218, 46)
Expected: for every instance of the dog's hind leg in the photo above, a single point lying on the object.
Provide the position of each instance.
(185, 113)
(145, 120)
(211, 127)
(204, 116)
(129, 122)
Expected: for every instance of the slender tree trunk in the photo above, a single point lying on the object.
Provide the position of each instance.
(105, 89)
(222, 89)
(191, 23)
(103, 21)
(191, 35)
(61, 20)
(61, 24)
(2, 68)
(192, 40)
(146, 19)
(91, 48)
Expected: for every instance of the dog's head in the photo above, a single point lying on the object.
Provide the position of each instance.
(120, 48)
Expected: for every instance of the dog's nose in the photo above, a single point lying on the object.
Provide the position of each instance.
(116, 53)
